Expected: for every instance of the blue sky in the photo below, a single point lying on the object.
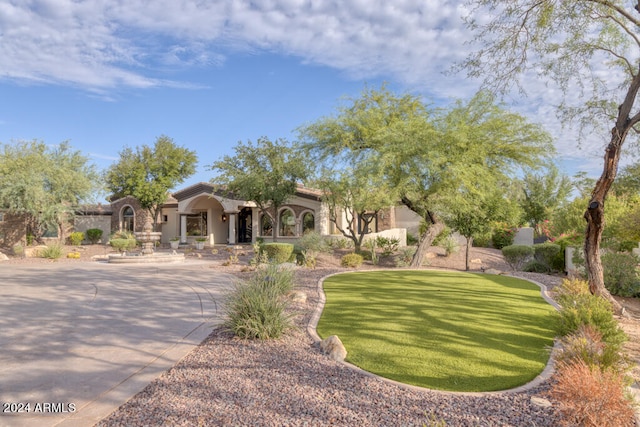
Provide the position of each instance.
(105, 74)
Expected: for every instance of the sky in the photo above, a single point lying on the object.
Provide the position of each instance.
(109, 74)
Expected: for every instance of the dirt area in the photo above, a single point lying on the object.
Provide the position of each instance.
(224, 258)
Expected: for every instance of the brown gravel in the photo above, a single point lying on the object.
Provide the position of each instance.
(228, 381)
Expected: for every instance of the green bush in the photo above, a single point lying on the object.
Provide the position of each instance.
(518, 255)
(503, 236)
(351, 260)
(278, 252)
(122, 245)
(621, 274)
(94, 235)
(76, 238)
(586, 344)
(545, 254)
(535, 267)
(52, 251)
(594, 311)
(412, 240)
(627, 245)
(450, 245)
(441, 237)
(405, 257)
(257, 309)
(389, 245)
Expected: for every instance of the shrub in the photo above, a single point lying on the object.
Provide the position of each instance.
(122, 245)
(412, 240)
(450, 245)
(591, 397)
(535, 267)
(441, 237)
(591, 310)
(278, 252)
(503, 236)
(586, 344)
(620, 274)
(517, 255)
(94, 235)
(545, 253)
(405, 256)
(76, 238)
(52, 251)
(371, 254)
(73, 255)
(351, 260)
(389, 245)
(313, 241)
(257, 309)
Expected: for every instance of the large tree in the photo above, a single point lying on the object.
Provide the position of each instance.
(267, 173)
(148, 173)
(569, 42)
(543, 193)
(45, 183)
(428, 154)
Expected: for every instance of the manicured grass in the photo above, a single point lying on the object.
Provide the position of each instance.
(441, 330)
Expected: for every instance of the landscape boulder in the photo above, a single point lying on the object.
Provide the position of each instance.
(333, 347)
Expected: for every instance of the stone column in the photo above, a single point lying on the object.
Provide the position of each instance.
(183, 229)
(232, 227)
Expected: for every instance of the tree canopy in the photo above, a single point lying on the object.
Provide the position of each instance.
(267, 173)
(148, 173)
(591, 49)
(543, 194)
(45, 183)
(429, 155)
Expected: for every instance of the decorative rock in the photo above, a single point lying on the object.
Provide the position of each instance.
(33, 251)
(492, 271)
(3, 257)
(541, 402)
(299, 297)
(476, 261)
(431, 255)
(334, 348)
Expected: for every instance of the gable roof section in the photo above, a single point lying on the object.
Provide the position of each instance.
(207, 188)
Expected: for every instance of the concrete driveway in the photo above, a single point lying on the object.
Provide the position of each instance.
(78, 340)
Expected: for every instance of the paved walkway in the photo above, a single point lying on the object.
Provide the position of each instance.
(78, 340)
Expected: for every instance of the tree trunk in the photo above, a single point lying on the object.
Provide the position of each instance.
(467, 251)
(427, 238)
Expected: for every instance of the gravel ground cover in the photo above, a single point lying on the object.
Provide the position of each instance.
(227, 381)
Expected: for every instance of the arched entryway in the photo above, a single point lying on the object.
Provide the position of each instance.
(245, 232)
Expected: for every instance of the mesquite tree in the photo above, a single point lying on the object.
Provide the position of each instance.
(591, 49)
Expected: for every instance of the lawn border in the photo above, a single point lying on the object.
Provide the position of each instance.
(545, 375)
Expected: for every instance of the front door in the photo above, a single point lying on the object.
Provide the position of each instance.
(244, 226)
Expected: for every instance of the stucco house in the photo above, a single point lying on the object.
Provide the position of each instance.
(199, 211)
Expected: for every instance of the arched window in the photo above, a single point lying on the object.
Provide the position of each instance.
(287, 223)
(308, 222)
(128, 219)
(266, 225)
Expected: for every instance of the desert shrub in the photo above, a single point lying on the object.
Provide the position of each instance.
(340, 243)
(278, 252)
(76, 238)
(620, 274)
(312, 240)
(257, 310)
(586, 344)
(389, 245)
(517, 255)
(52, 251)
(274, 276)
(591, 397)
(351, 260)
(122, 245)
(580, 308)
(450, 245)
(73, 255)
(94, 235)
(545, 253)
(627, 245)
(441, 237)
(535, 267)
(503, 236)
(405, 256)
(412, 240)
(370, 254)
(18, 249)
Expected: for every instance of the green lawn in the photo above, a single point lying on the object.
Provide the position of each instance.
(442, 330)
